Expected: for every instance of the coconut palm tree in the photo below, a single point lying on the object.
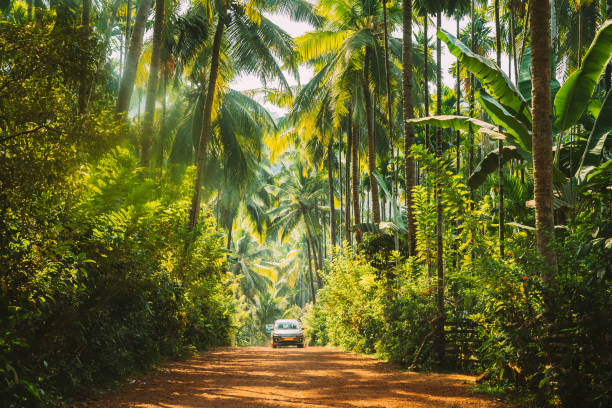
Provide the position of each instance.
(300, 192)
(133, 56)
(408, 113)
(256, 44)
(349, 43)
(541, 113)
(147, 127)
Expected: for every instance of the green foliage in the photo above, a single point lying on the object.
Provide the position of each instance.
(573, 97)
(101, 287)
(97, 280)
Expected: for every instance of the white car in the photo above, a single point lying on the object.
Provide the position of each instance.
(287, 332)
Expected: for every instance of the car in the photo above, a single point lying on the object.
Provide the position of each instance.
(287, 332)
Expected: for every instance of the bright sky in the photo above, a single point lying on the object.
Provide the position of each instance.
(296, 29)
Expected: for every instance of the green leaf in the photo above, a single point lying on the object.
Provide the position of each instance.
(490, 76)
(524, 83)
(490, 163)
(454, 122)
(597, 140)
(518, 129)
(573, 97)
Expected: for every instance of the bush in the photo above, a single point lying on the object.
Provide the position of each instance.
(102, 286)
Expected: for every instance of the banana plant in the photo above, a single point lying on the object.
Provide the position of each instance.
(507, 107)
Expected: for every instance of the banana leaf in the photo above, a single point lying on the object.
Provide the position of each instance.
(524, 83)
(597, 140)
(490, 76)
(573, 97)
(490, 163)
(455, 122)
(520, 131)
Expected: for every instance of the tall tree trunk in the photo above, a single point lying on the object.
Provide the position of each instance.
(128, 20)
(312, 289)
(332, 205)
(426, 76)
(163, 125)
(470, 133)
(513, 45)
(541, 112)
(408, 111)
(356, 181)
(371, 141)
(347, 180)
(500, 143)
(458, 107)
(229, 234)
(579, 34)
(29, 5)
(206, 118)
(85, 77)
(393, 203)
(608, 73)
(133, 56)
(440, 340)
(340, 190)
(147, 126)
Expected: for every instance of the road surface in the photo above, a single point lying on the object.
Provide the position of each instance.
(314, 377)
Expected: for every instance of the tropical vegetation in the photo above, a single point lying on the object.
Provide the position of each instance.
(426, 181)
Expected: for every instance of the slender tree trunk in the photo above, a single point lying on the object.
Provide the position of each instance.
(128, 20)
(85, 77)
(458, 108)
(426, 76)
(440, 340)
(500, 143)
(470, 133)
(312, 289)
(340, 190)
(147, 133)
(29, 5)
(541, 112)
(408, 111)
(126, 87)
(513, 45)
(229, 235)
(608, 73)
(371, 141)
(163, 125)
(206, 118)
(356, 181)
(393, 203)
(332, 209)
(579, 34)
(347, 180)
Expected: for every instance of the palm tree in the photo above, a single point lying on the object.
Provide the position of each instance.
(408, 111)
(147, 127)
(541, 113)
(133, 56)
(500, 143)
(255, 42)
(299, 194)
(349, 44)
(247, 261)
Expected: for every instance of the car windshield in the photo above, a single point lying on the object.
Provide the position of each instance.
(286, 325)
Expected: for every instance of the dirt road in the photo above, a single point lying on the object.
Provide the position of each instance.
(315, 377)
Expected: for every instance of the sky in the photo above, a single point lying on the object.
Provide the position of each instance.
(296, 29)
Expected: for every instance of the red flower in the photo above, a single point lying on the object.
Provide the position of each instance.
(509, 253)
(525, 278)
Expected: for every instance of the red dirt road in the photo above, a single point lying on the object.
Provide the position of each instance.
(314, 377)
